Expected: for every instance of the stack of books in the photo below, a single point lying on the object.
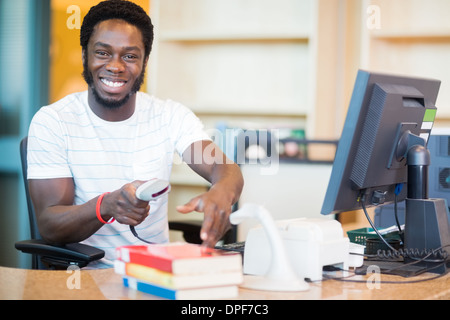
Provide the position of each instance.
(180, 271)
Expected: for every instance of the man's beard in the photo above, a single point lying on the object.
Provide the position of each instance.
(111, 103)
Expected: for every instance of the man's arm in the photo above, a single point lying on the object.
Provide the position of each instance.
(59, 221)
(206, 159)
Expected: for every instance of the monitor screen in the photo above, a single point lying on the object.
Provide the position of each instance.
(387, 115)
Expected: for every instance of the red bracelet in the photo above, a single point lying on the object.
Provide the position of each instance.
(97, 210)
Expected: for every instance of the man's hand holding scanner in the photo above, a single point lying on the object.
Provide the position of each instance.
(124, 206)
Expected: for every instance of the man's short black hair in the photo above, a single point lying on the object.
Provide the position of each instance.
(118, 9)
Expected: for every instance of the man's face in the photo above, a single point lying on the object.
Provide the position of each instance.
(114, 64)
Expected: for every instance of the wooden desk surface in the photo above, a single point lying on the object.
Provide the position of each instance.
(17, 284)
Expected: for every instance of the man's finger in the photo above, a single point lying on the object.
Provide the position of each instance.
(195, 204)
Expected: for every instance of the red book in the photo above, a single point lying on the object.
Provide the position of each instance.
(181, 258)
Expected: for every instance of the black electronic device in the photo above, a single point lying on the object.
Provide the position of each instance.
(438, 179)
(382, 158)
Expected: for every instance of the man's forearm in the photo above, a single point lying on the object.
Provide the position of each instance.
(62, 224)
(229, 178)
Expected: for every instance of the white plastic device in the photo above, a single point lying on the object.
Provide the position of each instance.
(280, 276)
(310, 243)
(152, 189)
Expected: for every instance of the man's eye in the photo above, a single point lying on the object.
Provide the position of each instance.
(101, 53)
(130, 57)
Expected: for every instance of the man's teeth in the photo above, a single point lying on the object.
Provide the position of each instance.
(112, 83)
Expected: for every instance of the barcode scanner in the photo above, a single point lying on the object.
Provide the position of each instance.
(151, 190)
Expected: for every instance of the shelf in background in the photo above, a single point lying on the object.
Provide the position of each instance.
(181, 36)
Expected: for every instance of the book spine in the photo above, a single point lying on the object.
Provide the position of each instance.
(150, 288)
(145, 260)
(220, 292)
(166, 279)
(144, 273)
(184, 265)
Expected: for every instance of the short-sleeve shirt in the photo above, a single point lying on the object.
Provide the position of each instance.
(66, 139)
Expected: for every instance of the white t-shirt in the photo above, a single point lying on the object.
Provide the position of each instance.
(66, 139)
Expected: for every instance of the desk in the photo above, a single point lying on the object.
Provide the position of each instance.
(17, 284)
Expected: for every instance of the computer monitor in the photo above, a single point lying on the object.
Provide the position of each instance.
(382, 156)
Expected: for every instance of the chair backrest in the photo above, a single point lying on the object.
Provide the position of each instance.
(34, 231)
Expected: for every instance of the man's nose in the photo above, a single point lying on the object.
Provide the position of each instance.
(115, 65)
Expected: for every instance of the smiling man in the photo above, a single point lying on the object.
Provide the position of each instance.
(90, 151)
(114, 77)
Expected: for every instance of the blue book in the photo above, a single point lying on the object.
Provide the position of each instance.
(206, 293)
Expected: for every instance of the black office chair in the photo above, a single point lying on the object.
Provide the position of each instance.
(46, 256)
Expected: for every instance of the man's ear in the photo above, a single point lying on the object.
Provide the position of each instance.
(83, 56)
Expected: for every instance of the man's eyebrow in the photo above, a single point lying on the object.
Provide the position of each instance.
(102, 44)
(106, 45)
(132, 48)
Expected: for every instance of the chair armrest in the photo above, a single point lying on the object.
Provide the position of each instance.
(61, 255)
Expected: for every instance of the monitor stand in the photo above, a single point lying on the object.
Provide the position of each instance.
(426, 228)
(426, 220)
(398, 268)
